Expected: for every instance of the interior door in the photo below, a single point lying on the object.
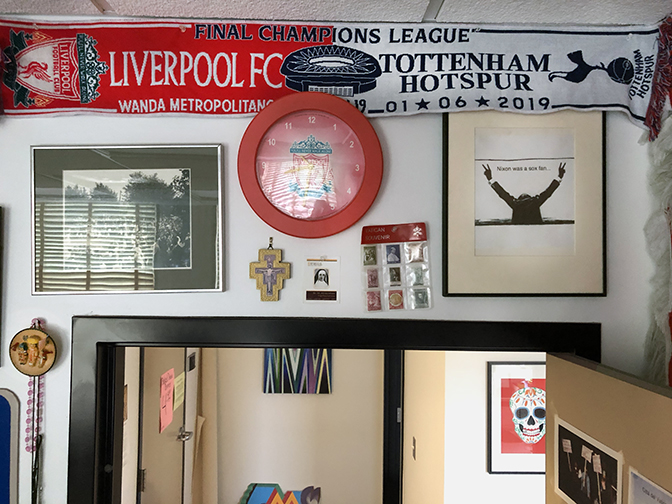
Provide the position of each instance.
(424, 427)
(192, 367)
(161, 454)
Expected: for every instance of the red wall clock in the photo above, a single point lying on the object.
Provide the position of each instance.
(310, 165)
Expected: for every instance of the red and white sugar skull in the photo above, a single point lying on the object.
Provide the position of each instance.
(528, 406)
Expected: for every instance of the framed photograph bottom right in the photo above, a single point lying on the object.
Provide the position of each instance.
(586, 471)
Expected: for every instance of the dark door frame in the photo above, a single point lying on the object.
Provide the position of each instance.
(97, 351)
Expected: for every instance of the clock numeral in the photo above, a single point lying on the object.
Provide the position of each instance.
(352, 144)
(288, 125)
(271, 141)
(356, 167)
(334, 127)
(264, 165)
(332, 206)
(349, 191)
(311, 119)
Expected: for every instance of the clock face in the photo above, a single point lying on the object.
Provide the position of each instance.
(310, 164)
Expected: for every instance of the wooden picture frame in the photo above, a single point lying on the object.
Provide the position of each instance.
(516, 417)
(524, 204)
(126, 219)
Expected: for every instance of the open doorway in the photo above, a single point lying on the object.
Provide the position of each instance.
(99, 343)
(225, 433)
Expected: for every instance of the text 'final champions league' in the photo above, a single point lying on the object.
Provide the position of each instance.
(419, 71)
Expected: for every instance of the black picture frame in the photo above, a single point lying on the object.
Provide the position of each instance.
(495, 256)
(90, 235)
(499, 462)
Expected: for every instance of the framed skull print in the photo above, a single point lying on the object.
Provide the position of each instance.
(516, 417)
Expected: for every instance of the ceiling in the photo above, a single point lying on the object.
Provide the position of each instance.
(598, 12)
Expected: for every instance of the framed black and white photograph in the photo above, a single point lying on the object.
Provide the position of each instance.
(524, 204)
(586, 471)
(516, 417)
(126, 219)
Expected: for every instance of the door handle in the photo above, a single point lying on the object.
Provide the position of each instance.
(184, 435)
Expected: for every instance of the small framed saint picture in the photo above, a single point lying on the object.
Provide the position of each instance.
(516, 417)
(322, 279)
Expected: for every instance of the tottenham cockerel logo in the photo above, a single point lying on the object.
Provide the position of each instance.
(619, 70)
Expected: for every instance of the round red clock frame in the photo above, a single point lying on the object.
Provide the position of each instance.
(254, 136)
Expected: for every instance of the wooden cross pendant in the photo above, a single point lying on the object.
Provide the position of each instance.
(269, 272)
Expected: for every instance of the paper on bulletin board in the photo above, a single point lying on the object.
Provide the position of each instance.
(586, 453)
(166, 399)
(322, 279)
(645, 491)
(178, 395)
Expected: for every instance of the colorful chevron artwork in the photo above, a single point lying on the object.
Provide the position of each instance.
(297, 371)
(270, 493)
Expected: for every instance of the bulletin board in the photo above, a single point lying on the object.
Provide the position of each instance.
(9, 446)
(620, 417)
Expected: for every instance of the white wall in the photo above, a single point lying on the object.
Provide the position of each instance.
(466, 475)
(332, 441)
(411, 191)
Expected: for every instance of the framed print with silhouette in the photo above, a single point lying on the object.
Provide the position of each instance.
(524, 204)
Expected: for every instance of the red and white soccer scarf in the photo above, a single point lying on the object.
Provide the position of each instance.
(187, 66)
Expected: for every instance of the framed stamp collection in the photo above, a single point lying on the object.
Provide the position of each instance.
(395, 267)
